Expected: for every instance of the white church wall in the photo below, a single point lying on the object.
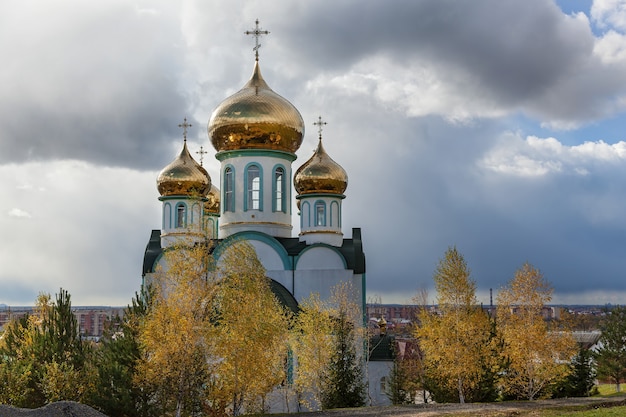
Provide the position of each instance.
(378, 378)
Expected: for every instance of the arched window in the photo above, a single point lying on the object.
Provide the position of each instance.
(229, 190)
(320, 213)
(253, 181)
(181, 214)
(279, 190)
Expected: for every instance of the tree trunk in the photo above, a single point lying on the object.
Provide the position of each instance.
(461, 396)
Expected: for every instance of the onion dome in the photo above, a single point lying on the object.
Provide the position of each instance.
(320, 174)
(184, 176)
(212, 204)
(256, 118)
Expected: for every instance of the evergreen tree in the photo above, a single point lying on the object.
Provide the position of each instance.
(611, 353)
(582, 379)
(116, 361)
(345, 385)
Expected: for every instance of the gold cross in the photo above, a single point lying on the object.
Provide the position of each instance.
(319, 125)
(201, 152)
(185, 125)
(257, 32)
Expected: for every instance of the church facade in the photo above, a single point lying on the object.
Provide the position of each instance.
(256, 134)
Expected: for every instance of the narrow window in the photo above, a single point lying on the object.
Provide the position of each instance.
(320, 213)
(180, 216)
(229, 185)
(254, 187)
(279, 189)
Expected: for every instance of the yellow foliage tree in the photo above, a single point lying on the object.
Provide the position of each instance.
(312, 345)
(251, 331)
(457, 343)
(177, 360)
(537, 355)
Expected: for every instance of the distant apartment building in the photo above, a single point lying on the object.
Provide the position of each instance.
(91, 320)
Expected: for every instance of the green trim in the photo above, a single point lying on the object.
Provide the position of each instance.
(259, 236)
(181, 197)
(324, 245)
(318, 195)
(221, 156)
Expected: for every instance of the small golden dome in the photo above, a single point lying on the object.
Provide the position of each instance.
(320, 174)
(256, 118)
(184, 176)
(212, 204)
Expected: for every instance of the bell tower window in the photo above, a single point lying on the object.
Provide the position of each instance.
(279, 190)
(229, 189)
(320, 213)
(253, 196)
(180, 215)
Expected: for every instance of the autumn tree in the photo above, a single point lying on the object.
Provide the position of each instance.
(312, 345)
(458, 342)
(537, 354)
(251, 330)
(176, 360)
(611, 353)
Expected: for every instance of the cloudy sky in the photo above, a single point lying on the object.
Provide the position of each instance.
(496, 126)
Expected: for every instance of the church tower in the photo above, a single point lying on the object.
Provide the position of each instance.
(183, 186)
(320, 183)
(256, 134)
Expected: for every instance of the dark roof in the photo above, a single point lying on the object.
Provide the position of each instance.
(351, 249)
(381, 348)
(284, 296)
(153, 250)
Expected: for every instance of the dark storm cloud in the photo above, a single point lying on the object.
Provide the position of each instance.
(93, 83)
(515, 55)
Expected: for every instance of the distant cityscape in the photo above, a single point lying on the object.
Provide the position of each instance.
(92, 320)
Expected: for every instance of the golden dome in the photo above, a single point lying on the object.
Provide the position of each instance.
(212, 205)
(256, 118)
(184, 176)
(320, 174)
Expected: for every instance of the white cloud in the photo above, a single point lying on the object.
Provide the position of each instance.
(536, 157)
(16, 212)
(609, 13)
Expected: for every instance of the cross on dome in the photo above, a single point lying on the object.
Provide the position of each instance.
(201, 152)
(257, 32)
(319, 125)
(185, 125)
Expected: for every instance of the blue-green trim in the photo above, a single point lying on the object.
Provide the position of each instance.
(324, 245)
(287, 156)
(246, 193)
(232, 168)
(166, 225)
(319, 195)
(330, 213)
(259, 236)
(304, 204)
(284, 196)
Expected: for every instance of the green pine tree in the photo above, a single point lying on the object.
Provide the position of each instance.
(611, 354)
(345, 386)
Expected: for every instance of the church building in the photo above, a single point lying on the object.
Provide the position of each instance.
(256, 134)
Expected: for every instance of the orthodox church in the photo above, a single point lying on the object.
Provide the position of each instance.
(256, 134)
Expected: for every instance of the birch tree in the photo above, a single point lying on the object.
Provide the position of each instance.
(457, 343)
(538, 357)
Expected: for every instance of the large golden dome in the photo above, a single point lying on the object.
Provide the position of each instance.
(256, 118)
(320, 174)
(184, 176)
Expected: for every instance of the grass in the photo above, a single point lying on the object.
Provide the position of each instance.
(608, 390)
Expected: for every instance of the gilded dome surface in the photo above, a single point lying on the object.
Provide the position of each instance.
(212, 205)
(184, 176)
(256, 118)
(320, 174)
